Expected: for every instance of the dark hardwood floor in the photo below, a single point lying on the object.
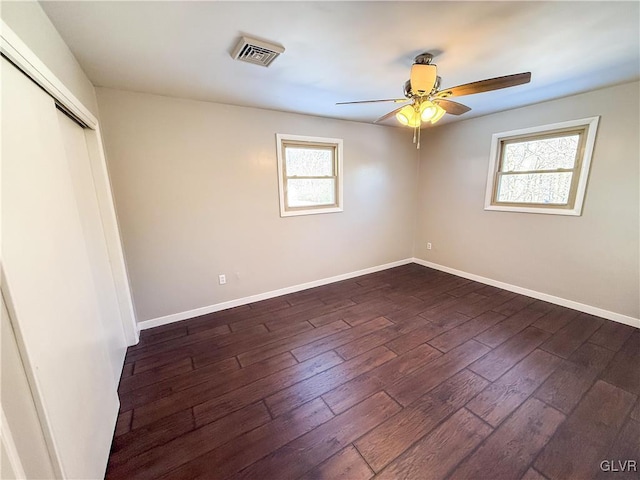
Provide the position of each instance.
(405, 373)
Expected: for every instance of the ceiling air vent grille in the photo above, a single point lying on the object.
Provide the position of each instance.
(256, 51)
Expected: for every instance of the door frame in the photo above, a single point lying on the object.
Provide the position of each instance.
(12, 47)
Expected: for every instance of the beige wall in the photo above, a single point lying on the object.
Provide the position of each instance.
(591, 259)
(27, 19)
(196, 191)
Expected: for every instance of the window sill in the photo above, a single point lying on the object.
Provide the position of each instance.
(575, 212)
(311, 211)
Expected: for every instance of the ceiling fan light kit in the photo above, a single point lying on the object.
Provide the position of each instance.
(429, 103)
(437, 115)
(408, 116)
(423, 112)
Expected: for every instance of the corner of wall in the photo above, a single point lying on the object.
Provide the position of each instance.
(30, 22)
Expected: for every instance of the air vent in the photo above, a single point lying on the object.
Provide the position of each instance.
(256, 51)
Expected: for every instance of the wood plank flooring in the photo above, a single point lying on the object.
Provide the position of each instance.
(407, 373)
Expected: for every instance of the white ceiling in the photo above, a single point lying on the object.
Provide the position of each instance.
(342, 51)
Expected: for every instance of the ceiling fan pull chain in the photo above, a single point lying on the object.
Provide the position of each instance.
(418, 128)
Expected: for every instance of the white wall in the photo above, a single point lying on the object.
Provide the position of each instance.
(592, 259)
(196, 191)
(29, 21)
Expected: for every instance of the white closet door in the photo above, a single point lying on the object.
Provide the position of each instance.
(27, 443)
(50, 284)
(75, 144)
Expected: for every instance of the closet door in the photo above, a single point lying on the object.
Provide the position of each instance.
(26, 447)
(73, 138)
(49, 284)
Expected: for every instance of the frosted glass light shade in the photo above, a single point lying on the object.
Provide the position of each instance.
(423, 78)
(427, 110)
(438, 115)
(408, 116)
(404, 114)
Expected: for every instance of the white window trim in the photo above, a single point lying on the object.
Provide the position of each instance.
(494, 161)
(337, 142)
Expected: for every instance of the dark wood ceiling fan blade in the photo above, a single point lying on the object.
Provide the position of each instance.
(396, 100)
(486, 85)
(390, 114)
(449, 106)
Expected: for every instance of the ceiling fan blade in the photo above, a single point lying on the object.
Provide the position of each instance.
(454, 108)
(396, 100)
(486, 85)
(390, 114)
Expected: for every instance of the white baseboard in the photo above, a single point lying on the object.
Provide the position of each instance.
(176, 317)
(599, 312)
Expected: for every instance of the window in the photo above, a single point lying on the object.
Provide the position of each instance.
(542, 169)
(310, 175)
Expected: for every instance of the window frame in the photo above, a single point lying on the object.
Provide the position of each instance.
(324, 143)
(586, 127)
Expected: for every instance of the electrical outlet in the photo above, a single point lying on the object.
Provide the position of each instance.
(222, 279)
(428, 245)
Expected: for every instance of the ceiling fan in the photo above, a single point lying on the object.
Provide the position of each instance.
(428, 103)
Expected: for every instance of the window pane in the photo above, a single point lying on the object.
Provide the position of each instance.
(309, 162)
(551, 188)
(311, 192)
(541, 154)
